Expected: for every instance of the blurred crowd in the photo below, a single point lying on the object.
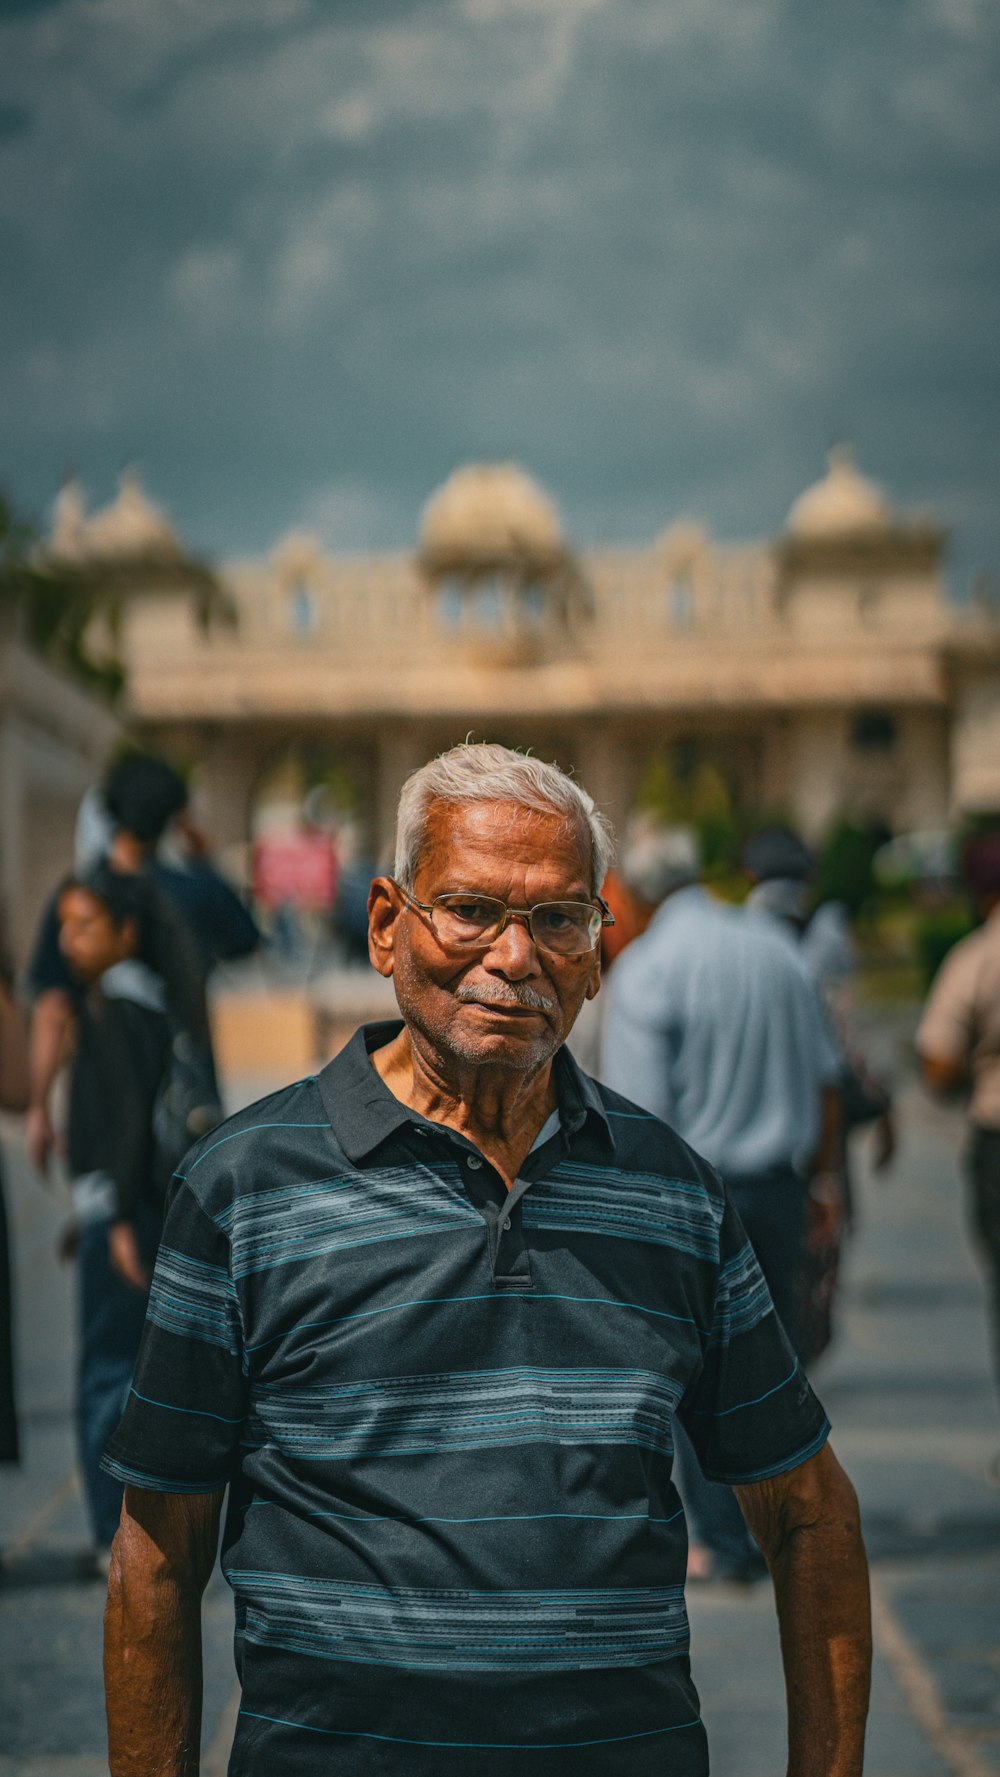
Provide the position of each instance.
(117, 990)
(738, 1025)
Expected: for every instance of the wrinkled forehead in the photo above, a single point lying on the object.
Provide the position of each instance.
(505, 833)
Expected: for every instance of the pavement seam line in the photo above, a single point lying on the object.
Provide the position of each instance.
(920, 1689)
(45, 1513)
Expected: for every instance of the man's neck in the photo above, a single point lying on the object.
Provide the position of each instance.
(501, 1110)
(128, 854)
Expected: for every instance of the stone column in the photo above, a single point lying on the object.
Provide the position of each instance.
(401, 749)
(923, 746)
(975, 742)
(604, 759)
(817, 769)
(229, 762)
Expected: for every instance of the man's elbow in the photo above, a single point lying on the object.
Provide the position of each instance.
(816, 1502)
(162, 1544)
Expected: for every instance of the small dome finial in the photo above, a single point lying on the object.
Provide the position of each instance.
(842, 503)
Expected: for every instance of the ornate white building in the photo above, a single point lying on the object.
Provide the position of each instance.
(826, 670)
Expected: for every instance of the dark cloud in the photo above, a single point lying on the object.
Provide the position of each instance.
(15, 9)
(14, 120)
(299, 260)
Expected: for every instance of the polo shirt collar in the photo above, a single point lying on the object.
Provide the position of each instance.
(363, 1112)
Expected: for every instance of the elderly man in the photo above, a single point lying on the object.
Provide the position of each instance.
(431, 1316)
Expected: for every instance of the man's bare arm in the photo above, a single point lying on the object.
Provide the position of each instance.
(161, 1560)
(808, 1526)
(51, 1023)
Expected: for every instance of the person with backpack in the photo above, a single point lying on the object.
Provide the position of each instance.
(141, 804)
(112, 940)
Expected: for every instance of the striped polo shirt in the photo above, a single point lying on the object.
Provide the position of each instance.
(445, 1416)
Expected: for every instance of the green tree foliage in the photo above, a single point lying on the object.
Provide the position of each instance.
(681, 786)
(54, 606)
(845, 864)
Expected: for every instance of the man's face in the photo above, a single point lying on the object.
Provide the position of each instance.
(513, 1004)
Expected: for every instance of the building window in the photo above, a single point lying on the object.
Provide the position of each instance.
(487, 604)
(449, 604)
(533, 604)
(302, 610)
(874, 731)
(680, 603)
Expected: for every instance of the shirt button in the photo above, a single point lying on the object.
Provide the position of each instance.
(506, 1221)
(473, 1162)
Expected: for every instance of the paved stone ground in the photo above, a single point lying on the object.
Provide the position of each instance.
(915, 1422)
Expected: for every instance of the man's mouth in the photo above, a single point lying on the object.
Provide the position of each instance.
(517, 999)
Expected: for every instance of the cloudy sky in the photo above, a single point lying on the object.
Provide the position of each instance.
(298, 258)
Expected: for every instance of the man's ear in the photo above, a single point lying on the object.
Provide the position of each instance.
(384, 908)
(594, 978)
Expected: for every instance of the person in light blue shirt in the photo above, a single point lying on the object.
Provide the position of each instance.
(715, 1026)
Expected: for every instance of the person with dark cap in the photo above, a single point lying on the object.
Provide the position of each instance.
(959, 1044)
(780, 866)
(141, 798)
(714, 1025)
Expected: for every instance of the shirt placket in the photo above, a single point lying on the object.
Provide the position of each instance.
(509, 1255)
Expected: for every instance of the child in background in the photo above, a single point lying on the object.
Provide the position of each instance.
(107, 935)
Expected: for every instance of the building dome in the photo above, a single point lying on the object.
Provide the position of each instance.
(488, 516)
(131, 526)
(69, 522)
(130, 529)
(842, 504)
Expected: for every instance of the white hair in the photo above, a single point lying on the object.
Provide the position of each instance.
(483, 771)
(659, 860)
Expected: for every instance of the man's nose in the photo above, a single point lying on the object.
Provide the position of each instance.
(513, 951)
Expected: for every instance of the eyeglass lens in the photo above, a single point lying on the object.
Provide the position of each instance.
(567, 927)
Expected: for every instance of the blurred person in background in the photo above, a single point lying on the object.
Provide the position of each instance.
(633, 889)
(958, 1041)
(782, 869)
(112, 943)
(142, 799)
(714, 1026)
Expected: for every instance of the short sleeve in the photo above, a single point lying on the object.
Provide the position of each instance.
(180, 1432)
(637, 1050)
(750, 1413)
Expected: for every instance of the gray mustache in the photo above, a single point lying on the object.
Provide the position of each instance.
(516, 993)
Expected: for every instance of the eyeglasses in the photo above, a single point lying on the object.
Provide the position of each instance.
(472, 922)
